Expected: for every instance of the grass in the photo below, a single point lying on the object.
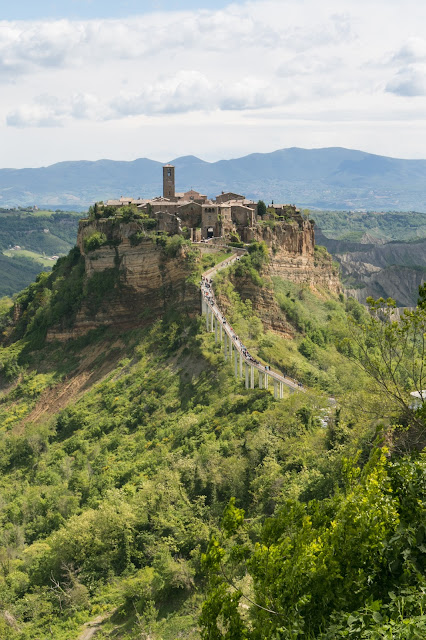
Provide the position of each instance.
(208, 261)
(32, 255)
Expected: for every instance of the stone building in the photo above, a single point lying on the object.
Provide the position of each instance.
(227, 215)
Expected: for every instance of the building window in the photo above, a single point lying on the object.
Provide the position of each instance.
(169, 173)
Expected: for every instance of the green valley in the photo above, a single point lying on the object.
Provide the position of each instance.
(30, 241)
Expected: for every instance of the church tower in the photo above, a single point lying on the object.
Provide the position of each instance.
(168, 181)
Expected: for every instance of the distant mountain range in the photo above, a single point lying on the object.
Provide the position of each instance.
(331, 178)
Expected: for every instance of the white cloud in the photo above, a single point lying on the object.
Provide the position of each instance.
(267, 62)
(26, 46)
(193, 91)
(49, 111)
(184, 92)
(413, 50)
(409, 82)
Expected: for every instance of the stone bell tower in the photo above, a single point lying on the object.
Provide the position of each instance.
(168, 181)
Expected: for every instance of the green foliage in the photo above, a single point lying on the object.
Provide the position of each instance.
(250, 265)
(138, 475)
(53, 298)
(393, 354)
(315, 563)
(261, 208)
(172, 245)
(136, 238)
(128, 212)
(94, 241)
(100, 287)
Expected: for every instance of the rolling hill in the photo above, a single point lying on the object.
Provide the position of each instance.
(334, 178)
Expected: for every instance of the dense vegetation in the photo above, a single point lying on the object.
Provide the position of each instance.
(141, 482)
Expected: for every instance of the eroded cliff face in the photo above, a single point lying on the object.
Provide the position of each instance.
(292, 257)
(130, 280)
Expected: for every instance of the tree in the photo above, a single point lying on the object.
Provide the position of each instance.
(392, 351)
(261, 208)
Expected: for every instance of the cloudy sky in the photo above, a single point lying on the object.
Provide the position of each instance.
(90, 79)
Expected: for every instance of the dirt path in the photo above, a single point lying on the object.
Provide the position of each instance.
(93, 626)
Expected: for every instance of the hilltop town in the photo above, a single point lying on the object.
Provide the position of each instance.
(229, 215)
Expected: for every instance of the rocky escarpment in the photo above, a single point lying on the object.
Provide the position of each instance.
(394, 269)
(293, 256)
(131, 278)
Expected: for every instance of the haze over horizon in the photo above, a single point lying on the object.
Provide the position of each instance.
(90, 80)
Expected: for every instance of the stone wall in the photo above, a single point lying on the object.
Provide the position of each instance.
(168, 223)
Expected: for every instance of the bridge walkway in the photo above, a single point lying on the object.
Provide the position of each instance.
(245, 366)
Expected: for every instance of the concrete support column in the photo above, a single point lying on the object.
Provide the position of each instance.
(260, 380)
(275, 389)
(207, 316)
(230, 348)
(236, 364)
(212, 320)
(251, 377)
(241, 365)
(215, 329)
(266, 381)
(225, 347)
(221, 330)
(281, 390)
(247, 375)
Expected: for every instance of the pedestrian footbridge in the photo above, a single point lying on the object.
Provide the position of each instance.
(245, 366)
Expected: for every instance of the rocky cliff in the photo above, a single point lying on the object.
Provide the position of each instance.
(292, 256)
(393, 269)
(131, 278)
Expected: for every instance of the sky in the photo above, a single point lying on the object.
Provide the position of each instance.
(92, 79)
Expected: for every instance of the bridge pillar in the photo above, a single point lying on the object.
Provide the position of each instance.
(230, 347)
(247, 375)
(275, 389)
(241, 365)
(251, 377)
(221, 329)
(215, 329)
(212, 320)
(281, 390)
(207, 316)
(236, 364)
(260, 380)
(225, 347)
(266, 381)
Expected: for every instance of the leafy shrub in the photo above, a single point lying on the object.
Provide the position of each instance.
(171, 245)
(307, 348)
(136, 238)
(94, 241)
(150, 223)
(100, 287)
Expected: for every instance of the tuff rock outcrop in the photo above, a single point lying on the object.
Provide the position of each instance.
(138, 280)
(132, 278)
